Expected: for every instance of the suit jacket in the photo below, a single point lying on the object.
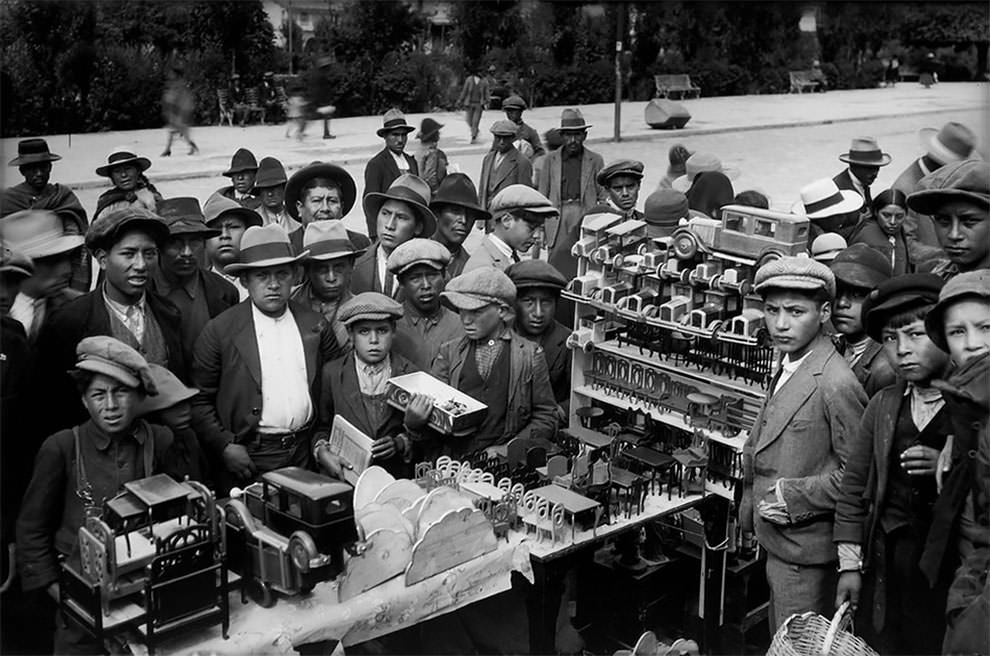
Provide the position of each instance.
(380, 172)
(252, 202)
(485, 255)
(365, 276)
(226, 370)
(514, 169)
(802, 437)
(591, 164)
(475, 91)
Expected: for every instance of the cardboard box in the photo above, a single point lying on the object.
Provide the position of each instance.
(452, 422)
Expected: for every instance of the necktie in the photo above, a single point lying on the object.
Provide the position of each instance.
(37, 319)
(134, 321)
(515, 256)
(867, 198)
(389, 284)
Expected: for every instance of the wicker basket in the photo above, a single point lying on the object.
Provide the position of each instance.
(810, 634)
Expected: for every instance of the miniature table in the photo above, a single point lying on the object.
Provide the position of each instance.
(387, 608)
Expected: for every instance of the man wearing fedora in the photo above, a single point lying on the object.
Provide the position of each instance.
(504, 165)
(568, 179)
(519, 214)
(328, 270)
(230, 219)
(401, 213)
(457, 209)
(242, 172)
(474, 96)
(391, 162)
(256, 364)
(829, 208)
(40, 235)
(269, 187)
(199, 295)
(514, 107)
(864, 159)
(321, 192)
(432, 161)
(131, 188)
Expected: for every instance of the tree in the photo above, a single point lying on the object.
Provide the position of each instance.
(950, 24)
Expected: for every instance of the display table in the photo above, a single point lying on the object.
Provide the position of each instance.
(389, 607)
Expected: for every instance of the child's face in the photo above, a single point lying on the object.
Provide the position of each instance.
(794, 320)
(329, 279)
(482, 323)
(963, 230)
(536, 308)
(967, 329)
(111, 404)
(912, 354)
(519, 233)
(848, 315)
(422, 285)
(372, 340)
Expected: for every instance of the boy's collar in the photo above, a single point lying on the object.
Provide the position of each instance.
(503, 333)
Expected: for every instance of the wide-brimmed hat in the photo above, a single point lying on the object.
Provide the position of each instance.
(33, 151)
(428, 129)
(263, 247)
(572, 119)
(965, 180)
(243, 160)
(218, 206)
(13, 262)
(271, 173)
(183, 217)
(457, 189)
(37, 234)
(123, 155)
(972, 283)
(102, 354)
(953, 142)
(336, 174)
(700, 162)
(394, 119)
(865, 151)
(328, 240)
(410, 189)
(171, 390)
(823, 198)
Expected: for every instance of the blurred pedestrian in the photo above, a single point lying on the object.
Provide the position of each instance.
(431, 160)
(474, 95)
(178, 107)
(321, 92)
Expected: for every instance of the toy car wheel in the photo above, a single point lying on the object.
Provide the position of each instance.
(260, 593)
(685, 245)
(302, 549)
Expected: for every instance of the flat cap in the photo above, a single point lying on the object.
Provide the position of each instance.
(536, 273)
(826, 246)
(103, 233)
(13, 262)
(628, 167)
(105, 355)
(896, 295)
(861, 266)
(480, 287)
(418, 251)
(665, 208)
(183, 217)
(795, 272)
(171, 390)
(972, 284)
(504, 128)
(514, 102)
(965, 180)
(369, 306)
(521, 197)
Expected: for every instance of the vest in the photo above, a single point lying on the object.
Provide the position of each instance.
(493, 392)
(152, 345)
(910, 498)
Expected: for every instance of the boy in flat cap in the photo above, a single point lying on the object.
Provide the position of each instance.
(494, 365)
(514, 107)
(538, 287)
(419, 267)
(858, 270)
(957, 197)
(78, 469)
(353, 387)
(230, 219)
(126, 245)
(519, 213)
(242, 172)
(457, 210)
(504, 165)
(327, 274)
(795, 453)
(884, 509)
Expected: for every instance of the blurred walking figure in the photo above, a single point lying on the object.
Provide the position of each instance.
(295, 113)
(321, 93)
(474, 95)
(178, 107)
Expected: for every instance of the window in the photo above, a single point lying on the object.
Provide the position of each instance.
(734, 222)
(765, 228)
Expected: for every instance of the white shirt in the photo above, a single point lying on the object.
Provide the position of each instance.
(787, 369)
(373, 378)
(242, 292)
(285, 402)
(381, 268)
(24, 310)
(925, 404)
(132, 316)
(400, 161)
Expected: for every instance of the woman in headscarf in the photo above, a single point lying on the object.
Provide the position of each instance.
(885, 231)
(709, 192)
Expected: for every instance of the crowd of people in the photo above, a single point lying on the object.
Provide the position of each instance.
(218, 339)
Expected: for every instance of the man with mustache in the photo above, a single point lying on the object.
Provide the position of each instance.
(457, 209)
(321, 192)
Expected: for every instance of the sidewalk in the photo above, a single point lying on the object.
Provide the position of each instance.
(356, 140)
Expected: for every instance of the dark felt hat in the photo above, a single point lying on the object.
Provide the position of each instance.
(428, 129)
(861, 266)
(897, 295)
(410, 189)
(103, 234)
(122, 155)
(243, 160)
(457, 189)
(664, 208)
(33, 151)
(183, 217)
(336, 174)
(271, 173)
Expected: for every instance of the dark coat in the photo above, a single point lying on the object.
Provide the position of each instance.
(873, 370)
(365, 276)
(558, 358)
(870, 233)
(380, 172)
(252, 202)
(919, 229)
(226, 370)
(514, 169)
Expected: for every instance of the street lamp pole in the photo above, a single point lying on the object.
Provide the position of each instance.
(289, 14)
(617, 114)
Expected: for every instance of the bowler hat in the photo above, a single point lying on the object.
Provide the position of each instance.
(535, 273)
(823, 198)
(428, 129)
(864, 151)
(171, 390)
(328, 240)
(263, 247)
(972, 283)
(122, 155)
(33, 151)
(37, 234)
(861, 266)
(243, 160)
(410, 189)
(102, 354)
(965, 180)
(897, 295)
(504, 128)
(336, 174)
(479, 287)
(514, 102)
(218, 206)
(369, 306)
(571, 119)
(103, 234)
(951, 143)
(394, 119)
(418, 251)
(664, 208)
(183, 217)
(629, 167)
(271, 173)
(457, 189)
(795, 272)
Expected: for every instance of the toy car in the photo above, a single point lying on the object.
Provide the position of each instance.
(287, 532)
(752, 235)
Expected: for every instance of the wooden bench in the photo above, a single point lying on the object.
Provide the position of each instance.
(676, 87)
(802, 81)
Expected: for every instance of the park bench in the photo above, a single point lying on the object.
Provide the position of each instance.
(802, 81)
(676, 87)
(252, 105)
(224, 108)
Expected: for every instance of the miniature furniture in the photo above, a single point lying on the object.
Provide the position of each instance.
(802, 81)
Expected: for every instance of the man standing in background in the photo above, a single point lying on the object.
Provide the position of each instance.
(474, 95)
